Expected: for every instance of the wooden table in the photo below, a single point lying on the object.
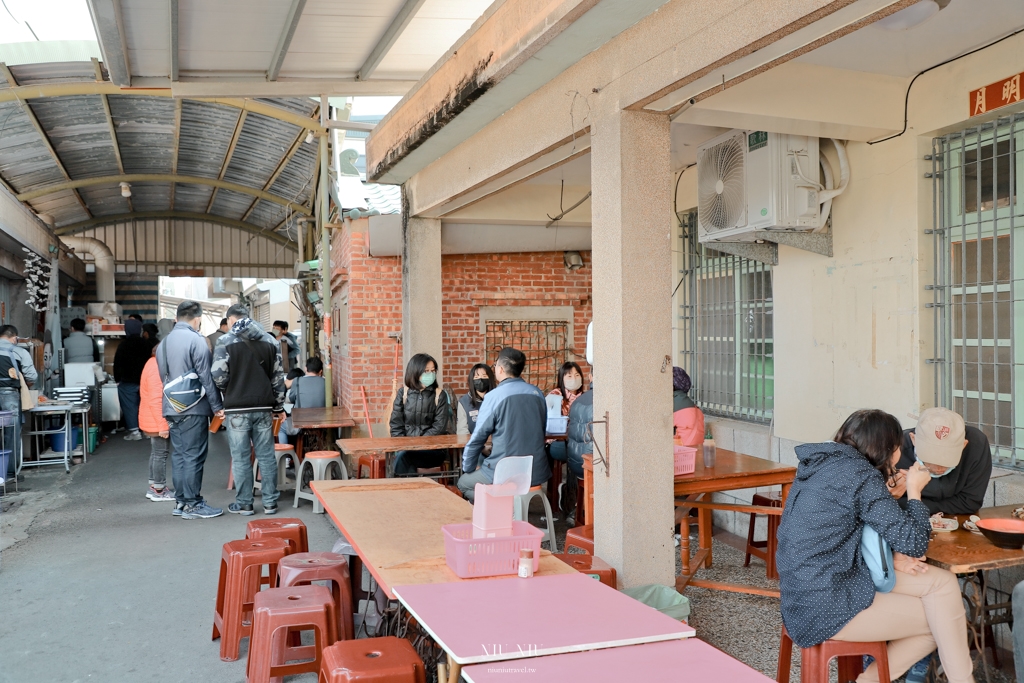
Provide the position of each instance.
(510, 618)
(731, 471)
(674, 661)
(394, 525)
(335, 417)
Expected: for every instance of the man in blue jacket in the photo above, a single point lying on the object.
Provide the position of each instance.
(515, 415)
(185, 351)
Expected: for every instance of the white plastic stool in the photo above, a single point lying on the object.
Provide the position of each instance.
(319, 463)
(521, 510)
(281, 451)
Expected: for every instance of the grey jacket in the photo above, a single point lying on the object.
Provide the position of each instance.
(186, 350)
(80, 348)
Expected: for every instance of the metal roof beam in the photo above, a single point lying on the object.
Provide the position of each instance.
(291, 22)
(391, 35)
(109, 26)
(174, 149)
(113, 140)
(173, 45)
(277, 171)
(161, 178)
(177, 215)
(352, 125)
(227, 155)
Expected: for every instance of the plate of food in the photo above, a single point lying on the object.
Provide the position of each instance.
(944, 524)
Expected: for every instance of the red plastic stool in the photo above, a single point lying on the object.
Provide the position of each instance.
(372, 660)
(592, 566)
(241, 565)
(290, 529)
(279, 611)
(374, 463)
(581, 537)
(302, 568)
(764, 550)
(814, 660)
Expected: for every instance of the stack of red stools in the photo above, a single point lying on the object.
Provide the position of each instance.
(372, 660)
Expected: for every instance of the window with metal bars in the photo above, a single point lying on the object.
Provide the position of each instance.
(726, 342)
(545, 343)
(979, 281)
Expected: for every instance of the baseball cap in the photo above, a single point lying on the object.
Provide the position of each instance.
(939, 437)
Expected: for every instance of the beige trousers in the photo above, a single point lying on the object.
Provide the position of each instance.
(922, 612)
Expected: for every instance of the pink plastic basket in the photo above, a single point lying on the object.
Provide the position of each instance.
(471, 557)
(686, 459)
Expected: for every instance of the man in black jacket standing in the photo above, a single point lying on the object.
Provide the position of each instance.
(247, 369)
(130, 358)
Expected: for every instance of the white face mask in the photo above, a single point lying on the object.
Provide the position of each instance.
(936, 476)
(572, 383)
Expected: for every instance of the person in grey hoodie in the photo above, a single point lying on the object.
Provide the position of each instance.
(185, 351)
(827, 591)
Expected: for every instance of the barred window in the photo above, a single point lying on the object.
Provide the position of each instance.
(979, 290)
(544, 342)
(725, 332)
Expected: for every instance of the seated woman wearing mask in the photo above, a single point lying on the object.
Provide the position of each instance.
(570, 387)
(420, 409)
(481, 380)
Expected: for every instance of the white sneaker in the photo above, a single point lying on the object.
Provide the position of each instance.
(163, 494)
(133, 436)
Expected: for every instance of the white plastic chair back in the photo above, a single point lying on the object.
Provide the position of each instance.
(517, 469)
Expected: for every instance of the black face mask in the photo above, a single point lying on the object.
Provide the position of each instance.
(482, 385)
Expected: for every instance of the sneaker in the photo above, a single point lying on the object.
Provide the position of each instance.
(238, 509)
(270, 509)
(200, 511)
(133, 436)
(160, 495)
(919, 672)
(178, 510)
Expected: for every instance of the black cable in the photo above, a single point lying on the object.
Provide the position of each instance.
(906, 100)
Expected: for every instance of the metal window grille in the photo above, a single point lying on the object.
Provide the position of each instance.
(725, 317)
(545, 343)
(978, 295)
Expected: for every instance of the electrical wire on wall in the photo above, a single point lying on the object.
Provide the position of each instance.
(675, 210)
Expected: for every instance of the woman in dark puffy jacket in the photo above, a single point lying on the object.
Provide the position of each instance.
(827, 588)
(420, 409)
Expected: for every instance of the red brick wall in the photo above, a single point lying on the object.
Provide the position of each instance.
(468, 281)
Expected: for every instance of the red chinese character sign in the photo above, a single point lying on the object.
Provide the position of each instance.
(995, 95)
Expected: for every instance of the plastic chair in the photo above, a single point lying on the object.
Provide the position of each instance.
(581, 537)
(302, 568)
(281, 451)
(278, 612)
(241, 566)
(319, 464)
(592, 566)
(522, 514)
(814, 660)
(375, 464)
(518, 470)
(372, 660)
(290, 529)
(764, 550)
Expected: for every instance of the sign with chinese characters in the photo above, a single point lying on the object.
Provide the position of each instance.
(995, 95)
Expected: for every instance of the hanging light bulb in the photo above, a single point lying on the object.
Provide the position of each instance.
(126, 190)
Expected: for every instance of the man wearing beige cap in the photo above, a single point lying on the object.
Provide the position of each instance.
(958, 457)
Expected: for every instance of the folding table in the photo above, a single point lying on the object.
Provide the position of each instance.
(507, 619)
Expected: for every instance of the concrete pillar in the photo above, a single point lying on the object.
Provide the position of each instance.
(631, 177)
(421, 289)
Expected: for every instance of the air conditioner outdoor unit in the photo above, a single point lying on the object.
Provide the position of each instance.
(748, 181)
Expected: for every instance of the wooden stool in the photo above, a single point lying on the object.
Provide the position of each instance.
(302, 568)
(372, 660)
(280, 611)
(241, 566)
(764, 550)
(319, 464)
(581, 537)
(375, 464)
(814, 660)
(592, 566)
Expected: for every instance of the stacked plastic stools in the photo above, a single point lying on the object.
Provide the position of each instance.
(372, 660)
(590, 565)
(375, 465)
(279, 611)
(522, 514)
(290, 529)
(581, 537)
(318, 462)
(302, 568)
(241, 566)
(814, 660)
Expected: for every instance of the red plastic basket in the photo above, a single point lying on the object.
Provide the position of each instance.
(471, 557)
(686, 459)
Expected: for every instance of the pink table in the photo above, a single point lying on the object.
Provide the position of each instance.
(677, 661)
(503, 619)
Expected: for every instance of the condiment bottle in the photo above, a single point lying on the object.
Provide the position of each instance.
(525, 563)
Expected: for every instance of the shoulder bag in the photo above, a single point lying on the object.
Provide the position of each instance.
(878, 557)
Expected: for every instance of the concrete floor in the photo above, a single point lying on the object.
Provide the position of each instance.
(108, 586)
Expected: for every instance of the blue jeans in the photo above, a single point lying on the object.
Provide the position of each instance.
(190, 442)
(1018, 629)
(558, 451)
(247, 432)
(128, 397)
(10, 399)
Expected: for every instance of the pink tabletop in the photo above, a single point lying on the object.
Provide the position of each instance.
(488, 621)
(678, 661)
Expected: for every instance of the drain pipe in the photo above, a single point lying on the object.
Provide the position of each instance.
(104, 260)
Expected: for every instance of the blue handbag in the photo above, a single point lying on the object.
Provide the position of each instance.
(878, 557)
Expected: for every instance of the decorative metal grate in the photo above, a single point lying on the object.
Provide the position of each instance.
(978, 295)
(726, 343)
(545, 343)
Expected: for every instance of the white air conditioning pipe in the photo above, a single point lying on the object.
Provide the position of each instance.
(826, 195)
(104, 260)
